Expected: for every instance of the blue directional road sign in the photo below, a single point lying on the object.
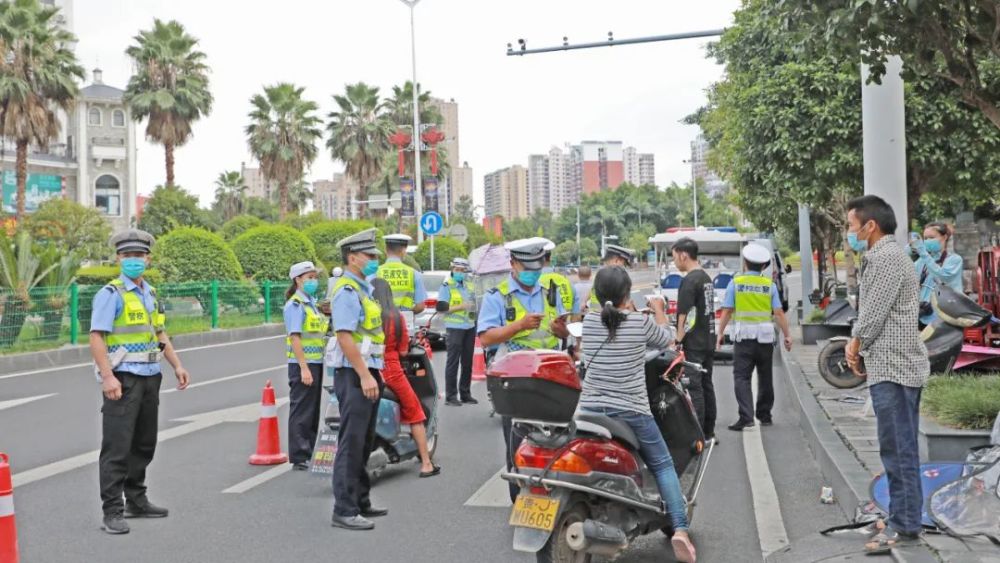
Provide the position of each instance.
(431, 223)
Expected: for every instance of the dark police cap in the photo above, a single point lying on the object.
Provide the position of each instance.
(133, 240)
(614, 250)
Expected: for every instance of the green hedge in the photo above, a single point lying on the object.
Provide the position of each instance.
(266, 252)
(101, 275)
(190, 254)
(239, 225)
(965, 401)
(444, 250)
(325, 236)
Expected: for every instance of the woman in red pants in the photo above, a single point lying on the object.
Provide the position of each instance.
(397, 341)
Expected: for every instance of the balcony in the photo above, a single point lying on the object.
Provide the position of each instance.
(107, 148)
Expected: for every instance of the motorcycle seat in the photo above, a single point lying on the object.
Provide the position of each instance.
(388, 395)
(619, 430)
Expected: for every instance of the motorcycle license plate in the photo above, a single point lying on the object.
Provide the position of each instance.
(534, 512)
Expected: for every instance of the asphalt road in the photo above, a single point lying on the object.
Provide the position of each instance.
(744, 512)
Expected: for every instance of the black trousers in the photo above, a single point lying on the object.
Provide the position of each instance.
(461, 344)
(512, 439)
(747, 356)
(304, 403)
(355, 442)
(702, 389)
(128, 441)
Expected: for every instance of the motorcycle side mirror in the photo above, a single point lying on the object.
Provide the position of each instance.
(788, 268)
(442, 307)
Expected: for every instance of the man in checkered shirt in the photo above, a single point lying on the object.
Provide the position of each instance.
(895, 360)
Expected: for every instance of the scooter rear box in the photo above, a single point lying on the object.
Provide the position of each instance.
(535, 385)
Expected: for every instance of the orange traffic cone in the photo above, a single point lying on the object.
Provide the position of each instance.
(8, 529)
(268, 442)
(478, 362)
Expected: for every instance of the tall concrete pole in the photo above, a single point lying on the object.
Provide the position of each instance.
(805, 251)
(884, 140)
(418, 197)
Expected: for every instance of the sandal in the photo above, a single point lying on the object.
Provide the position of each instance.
(430, 473)
(683, 548)
(885, 540)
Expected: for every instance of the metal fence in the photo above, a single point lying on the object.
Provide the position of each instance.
(46, 317)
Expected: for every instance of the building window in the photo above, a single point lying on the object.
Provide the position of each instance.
(107, 195)
(94, 116)
(118, 118)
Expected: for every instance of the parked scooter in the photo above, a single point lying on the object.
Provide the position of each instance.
(584, 488)
(393, 441)
(943, 338)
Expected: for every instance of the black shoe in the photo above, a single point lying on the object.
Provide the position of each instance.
(469, 401)
(300, 466)
(453, 403)
(144, 510)
(431, 473)
(352, 522)
(374, 512)
(739, 426)
(767, 422)
(115, 524)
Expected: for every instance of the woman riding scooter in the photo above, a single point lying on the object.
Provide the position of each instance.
(397, 342)
(614, 344)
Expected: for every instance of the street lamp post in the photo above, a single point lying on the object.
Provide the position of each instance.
(418, 198)
(579, 253)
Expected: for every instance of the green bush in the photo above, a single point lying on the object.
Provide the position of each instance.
(303, 222)
(194, 254)
(444, 250)
(266, 252)
(966, 401)
(101, 275)
(239, 225)
(325, 236)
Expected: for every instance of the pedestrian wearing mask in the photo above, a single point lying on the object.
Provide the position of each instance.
(935, 266)
(357, 357)
(895, 361)
(519, 315)
(458, 292)
(127, 341)
(306, 328)
(753, 303)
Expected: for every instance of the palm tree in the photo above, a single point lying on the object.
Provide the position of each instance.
(359, 135)
(230, 191)
(299, 196)
(282, 135)
(38, 74)
(170, 86)
(399, 108)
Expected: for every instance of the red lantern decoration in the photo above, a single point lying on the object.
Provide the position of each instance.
(432, 137)
(400, 140)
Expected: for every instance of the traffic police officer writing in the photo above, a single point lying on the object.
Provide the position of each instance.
(752, 302)
(519, 315)
(356, 355)
(127, 341)
(407, 285)
(458, 292)
(306, 328)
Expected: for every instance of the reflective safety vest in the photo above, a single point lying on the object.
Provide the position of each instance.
(753, 299)
(313, 333)
(135, 329)
(402, 279)
(368, 336)
(455, 299)
(565, 288)
(594, 304)
(538, 339)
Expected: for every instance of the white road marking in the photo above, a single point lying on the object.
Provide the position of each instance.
(80, 365)
(766, 508)
(243, 413)
(494, 492)
(227, 378)
(23, 401)
(259, 479)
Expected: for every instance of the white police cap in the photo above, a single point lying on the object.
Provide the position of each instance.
(530, 251)
(459, 263)
(614, 250)
(301, 268)
(132, 240)
(756, 254)
(398, 239)
(363, 241)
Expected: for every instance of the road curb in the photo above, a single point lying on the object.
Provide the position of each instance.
(68, 355)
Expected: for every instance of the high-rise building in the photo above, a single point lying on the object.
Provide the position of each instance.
(602, 165)
(461, 184)
(257, 185)
(701, 173)
(458, 181)
(551, 181)
(333, 197)
(639, 167)
(506, 192)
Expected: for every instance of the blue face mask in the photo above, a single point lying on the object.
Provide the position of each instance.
(933, 245)
(458, 276)
(529, 277)
(133, 268)
(856, 244)
(310, 286)
(370, 268)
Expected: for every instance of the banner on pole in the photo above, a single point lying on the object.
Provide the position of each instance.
(430, 193)
(406, 208)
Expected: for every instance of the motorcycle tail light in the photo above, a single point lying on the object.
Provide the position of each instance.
(584, 456)
(540, 491)
(531, 456)
(570, 462)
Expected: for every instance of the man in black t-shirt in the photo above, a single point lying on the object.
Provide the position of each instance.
(696, 329)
